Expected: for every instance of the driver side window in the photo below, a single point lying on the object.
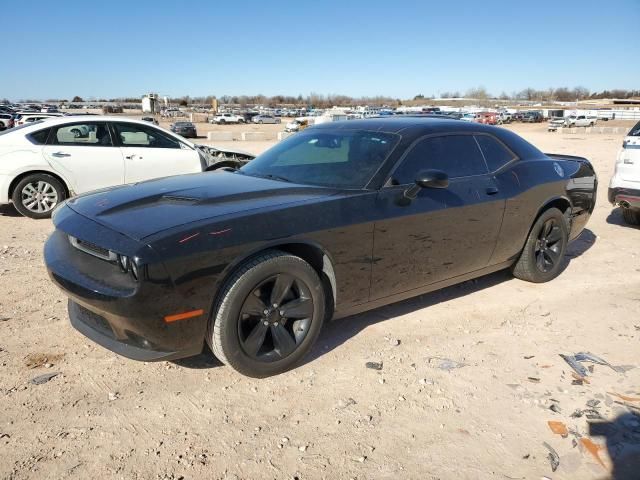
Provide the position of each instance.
(134, 135)
(456, 155)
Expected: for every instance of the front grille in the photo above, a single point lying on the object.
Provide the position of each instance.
(93, 249)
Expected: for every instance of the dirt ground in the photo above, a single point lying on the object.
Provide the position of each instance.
(470, 377)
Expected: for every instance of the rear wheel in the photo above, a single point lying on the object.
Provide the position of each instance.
(36, 195)
(543, 253)
(269, 315)
(631, 216)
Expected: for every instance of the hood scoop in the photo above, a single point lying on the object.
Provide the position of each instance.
(180, 199)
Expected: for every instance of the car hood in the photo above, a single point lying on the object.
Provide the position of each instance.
(143, 209)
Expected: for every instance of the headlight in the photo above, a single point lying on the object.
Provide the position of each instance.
(134, 270)
(123, 261)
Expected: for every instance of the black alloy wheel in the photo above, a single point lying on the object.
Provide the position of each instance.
(542, 257)
(275, 318)
(549, 245)
(268, 315)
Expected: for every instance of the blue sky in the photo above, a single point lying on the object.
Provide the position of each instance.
(58, 49)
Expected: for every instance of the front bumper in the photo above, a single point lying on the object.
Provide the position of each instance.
(629, 196)
(109, 306)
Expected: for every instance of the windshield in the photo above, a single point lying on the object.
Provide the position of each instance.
(339, 158)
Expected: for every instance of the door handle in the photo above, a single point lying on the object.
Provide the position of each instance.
(492, 190)
(60, 154)
(130, 157)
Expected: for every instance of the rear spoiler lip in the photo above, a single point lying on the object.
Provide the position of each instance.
(562, 156)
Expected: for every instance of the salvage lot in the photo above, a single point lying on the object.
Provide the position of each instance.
(417, 417)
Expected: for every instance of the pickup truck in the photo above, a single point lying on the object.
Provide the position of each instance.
(580, 121)
(504, 117)
(223, 118)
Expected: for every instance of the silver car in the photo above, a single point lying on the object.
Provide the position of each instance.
(265, 119)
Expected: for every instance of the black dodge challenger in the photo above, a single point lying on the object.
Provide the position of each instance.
(335, 220)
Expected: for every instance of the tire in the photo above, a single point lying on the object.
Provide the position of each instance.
(223, 121)
(260, 122)
(631, 216)
(52, 192)
(541, 259)
(252, 289)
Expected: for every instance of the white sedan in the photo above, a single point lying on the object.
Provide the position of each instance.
(44, 162)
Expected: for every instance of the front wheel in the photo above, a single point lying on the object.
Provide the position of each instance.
(36, 195)
(543, 253)
(268, 316)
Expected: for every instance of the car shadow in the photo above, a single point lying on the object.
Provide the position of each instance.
(622, 436)
(204, 360)
(580, 245)
(615, 218)
(8, 211)
(335, 333)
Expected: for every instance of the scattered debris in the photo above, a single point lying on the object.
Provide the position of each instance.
(624, 397)
(113, 396)
(533, 379)
(573, 363)
(374, 365)
(394, 342)
(593, 449)
(342, 404)
(558, 428)
(590, 357)
(578, 380)
(554, 458)
(555, 408)
(44, 378)
(446, 363)
(593, 403)
(528, 357)
(526, 457)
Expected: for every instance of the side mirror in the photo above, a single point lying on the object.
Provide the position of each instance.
(427, 179)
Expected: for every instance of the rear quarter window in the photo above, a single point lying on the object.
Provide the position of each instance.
(495, 153)
(39, 137)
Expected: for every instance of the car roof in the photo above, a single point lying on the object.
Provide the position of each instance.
(413, 128)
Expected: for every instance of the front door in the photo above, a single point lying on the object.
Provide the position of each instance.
(151, 153)
(442, 233)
